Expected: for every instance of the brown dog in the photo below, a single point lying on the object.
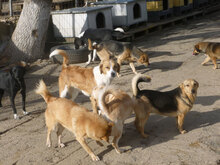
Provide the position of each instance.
(73, 79)
(175, 103)
(123, 51)
(116, 106)
(66, 114)
(211, 49)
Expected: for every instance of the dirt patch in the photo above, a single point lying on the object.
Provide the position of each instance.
(170, 51)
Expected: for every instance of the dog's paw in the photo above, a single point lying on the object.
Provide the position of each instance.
(183, 131)
(26, 113)
(16, 117)
(48, 145)
(61, 145)
(119, 151)
(144, 135)
(118, 75)
(95, 158)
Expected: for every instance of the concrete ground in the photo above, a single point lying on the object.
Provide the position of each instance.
(170, 50)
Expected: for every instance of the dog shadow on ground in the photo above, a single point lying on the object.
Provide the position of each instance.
(163, 66)
(153, 54)
(207, 100)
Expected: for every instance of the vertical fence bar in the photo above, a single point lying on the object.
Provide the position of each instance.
(0, 6)
(10, 8)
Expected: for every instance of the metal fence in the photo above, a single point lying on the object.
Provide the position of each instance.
(14, 7)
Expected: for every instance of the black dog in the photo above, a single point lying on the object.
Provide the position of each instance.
(12, 81)
(97, 36)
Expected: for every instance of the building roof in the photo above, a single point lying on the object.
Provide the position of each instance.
(80, 10)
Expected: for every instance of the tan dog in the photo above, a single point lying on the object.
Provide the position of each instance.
(66, 114)
(175, 103)
(116, 106)
(211, 49)
(123, 51)
(73, 79)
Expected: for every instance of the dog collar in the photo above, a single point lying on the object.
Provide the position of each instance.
(190, 104)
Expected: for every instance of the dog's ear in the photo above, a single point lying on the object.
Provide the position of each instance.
(181, 86)
(101, 68)
(196, 47)
(118, 68)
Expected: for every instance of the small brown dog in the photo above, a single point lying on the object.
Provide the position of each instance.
(116, 106)
(211, 49)
(66, 114)
(174, 103)
(123, 51)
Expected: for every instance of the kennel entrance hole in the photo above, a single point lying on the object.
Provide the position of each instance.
(100, 20)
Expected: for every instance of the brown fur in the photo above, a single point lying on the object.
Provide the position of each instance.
(211, 49)
(131, 55)
(79, 78)
(117, 106)
(184, 98)
(66, 114)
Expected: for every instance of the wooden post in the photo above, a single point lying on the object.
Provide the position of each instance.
(10, 8)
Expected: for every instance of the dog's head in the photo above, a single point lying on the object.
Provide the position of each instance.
(144, 59)
(196, 50)
(189, 87)
(109, 68)
(108, 132)
(79, 42)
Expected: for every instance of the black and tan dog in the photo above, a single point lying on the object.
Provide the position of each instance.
(211, 49)
(123, 51)
(174, 103)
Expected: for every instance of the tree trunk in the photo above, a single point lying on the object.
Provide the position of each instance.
(28, 39)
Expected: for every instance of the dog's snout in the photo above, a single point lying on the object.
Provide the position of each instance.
(113, 74)
(193, 91)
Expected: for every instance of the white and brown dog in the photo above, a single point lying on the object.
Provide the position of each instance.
(73, 79)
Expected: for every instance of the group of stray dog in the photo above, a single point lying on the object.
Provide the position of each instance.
(115, 105)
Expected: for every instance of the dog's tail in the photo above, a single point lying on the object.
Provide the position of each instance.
(102, 103)
(41, 89)
(136, 80)
(63, 54)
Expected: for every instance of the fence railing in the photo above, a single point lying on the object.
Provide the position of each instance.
(14, 7)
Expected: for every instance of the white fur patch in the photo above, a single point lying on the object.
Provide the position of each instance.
(64, 92)
(111, 71)
(101, 79)
(16, 116)
(55, 52)
(85, 93)
(81, 34)
(119, 29)
(94, 55)
(89, 58)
